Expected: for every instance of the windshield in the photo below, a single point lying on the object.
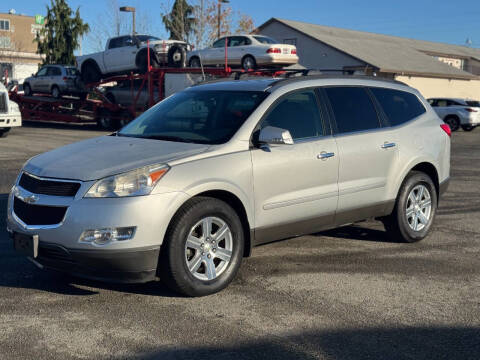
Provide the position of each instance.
(473, 103)
(265, 40)
(144, 38)
(72, 71)
(204, 117)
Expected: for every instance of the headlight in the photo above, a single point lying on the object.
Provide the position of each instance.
(133, 183)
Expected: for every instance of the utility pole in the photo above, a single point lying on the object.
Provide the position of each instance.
(220, 13)
(132, 10)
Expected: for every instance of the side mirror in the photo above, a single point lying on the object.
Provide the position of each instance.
(275, 136)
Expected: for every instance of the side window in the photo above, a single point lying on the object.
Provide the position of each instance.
(399, 106)
(42, 71)
(235, 41)
(297, 113)
(219, 43)
(432, 102)
(246, 41)
(115, 43)
(353, 109)
(442, 103)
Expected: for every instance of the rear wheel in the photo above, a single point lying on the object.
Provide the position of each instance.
(56, 92)
(90, 73)
(27, 90)
(203, 248)
(415, 208)
(468, 127)
(249, 63)
(105, 120)
(143, 62)
(453, 122)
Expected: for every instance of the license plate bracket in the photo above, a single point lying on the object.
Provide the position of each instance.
(26, 244)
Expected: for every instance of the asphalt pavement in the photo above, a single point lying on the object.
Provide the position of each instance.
(349, 293)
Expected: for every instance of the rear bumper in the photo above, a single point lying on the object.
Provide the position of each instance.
(443, 187)
(115, 266)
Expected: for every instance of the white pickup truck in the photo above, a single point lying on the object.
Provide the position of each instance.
(127, 53)
(10, 115)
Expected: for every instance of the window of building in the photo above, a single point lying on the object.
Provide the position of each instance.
(5, 42)
(353, 109)
(290, 41)
(297, 113)
(399, 106)
(5, 25)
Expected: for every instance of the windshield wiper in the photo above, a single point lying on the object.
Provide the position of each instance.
(168, 138)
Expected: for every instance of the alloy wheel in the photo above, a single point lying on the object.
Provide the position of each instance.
(419, 208)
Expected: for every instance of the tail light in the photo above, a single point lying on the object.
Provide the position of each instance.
(65, 78)
(274, 51)
(294, 52)
(470, 110)
(447, 129)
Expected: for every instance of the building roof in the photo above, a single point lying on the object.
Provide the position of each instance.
(388, 53)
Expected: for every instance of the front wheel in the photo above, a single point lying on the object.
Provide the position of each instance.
(415, 208)
(453, 122)
(203, 248)
(56, 92)
(194, 62)
(27, 90)
(4, 132)
(468, 127)
(249, 63)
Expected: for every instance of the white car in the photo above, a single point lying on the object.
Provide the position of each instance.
(247, 51)
(127, 53)
(457, 112)
(10, 115)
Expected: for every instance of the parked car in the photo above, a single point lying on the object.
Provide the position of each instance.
(457, 112)
(189, 187)
(127, 53)
(56, 80)
(126, 92)
(246, 51)
(10, 115)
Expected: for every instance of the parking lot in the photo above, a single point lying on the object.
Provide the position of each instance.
(349, 293)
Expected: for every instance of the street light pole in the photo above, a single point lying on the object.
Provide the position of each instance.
(220, 14)
(132, 10)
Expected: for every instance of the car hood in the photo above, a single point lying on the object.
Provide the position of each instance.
(97, 158)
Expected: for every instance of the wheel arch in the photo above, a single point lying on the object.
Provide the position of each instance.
(90, 61)
(143, 51)
(235, 202)
(426, 166)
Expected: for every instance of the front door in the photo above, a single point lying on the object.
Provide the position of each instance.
(295, 185)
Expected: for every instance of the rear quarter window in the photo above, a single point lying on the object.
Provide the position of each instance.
(398, 106)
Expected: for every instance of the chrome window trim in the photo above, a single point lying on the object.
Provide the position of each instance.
(50, 179)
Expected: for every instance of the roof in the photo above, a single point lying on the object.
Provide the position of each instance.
(264, 84)
(388, 53)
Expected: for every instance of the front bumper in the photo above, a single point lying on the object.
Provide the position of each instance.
(133, 260)
(10, 120)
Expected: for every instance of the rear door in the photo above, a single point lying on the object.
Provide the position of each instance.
(295, 185)
(368, 153)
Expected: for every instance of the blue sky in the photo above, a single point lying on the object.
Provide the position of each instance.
(435, 20)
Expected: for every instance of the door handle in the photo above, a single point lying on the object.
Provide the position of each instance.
(387, 145)
(325, 155)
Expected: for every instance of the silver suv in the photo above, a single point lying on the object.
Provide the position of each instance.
(56, 80)
(188, 188)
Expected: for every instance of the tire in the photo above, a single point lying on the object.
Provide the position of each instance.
(27, 90)
(123, 118)
(177, 56)
(400, 225)
(90, 73)
(83, 96)
(4, 132)
(142, 62)
(175, 254)
(194, 62)
(56, 92)
(249, 63)
(468, 127)
(105, 120)
(453, 122)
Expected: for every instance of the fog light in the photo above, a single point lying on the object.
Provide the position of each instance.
(107, 235)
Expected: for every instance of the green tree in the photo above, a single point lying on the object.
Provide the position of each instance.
(179, 22)
(60, 36)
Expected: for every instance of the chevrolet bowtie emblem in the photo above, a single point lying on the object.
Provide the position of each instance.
(32, 199)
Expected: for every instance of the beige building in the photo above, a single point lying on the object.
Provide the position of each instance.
(17, 46)
(435, 69)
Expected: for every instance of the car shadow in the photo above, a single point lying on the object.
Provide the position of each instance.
(415, 342)
(357, 232)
